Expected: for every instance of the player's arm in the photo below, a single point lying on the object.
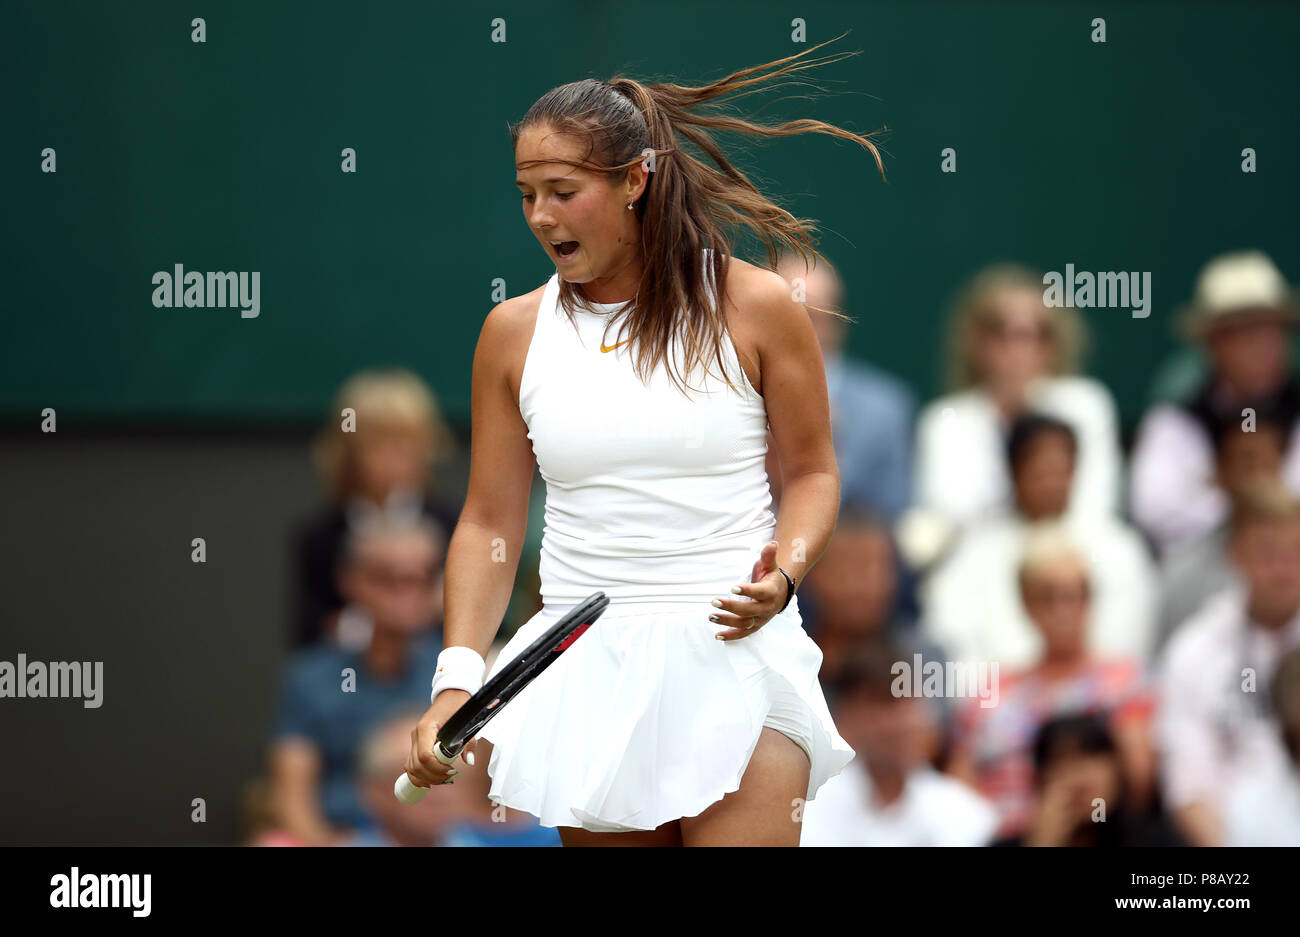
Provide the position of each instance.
(483, 555)
(793, 384)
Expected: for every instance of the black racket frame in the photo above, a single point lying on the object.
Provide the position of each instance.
(478, 710)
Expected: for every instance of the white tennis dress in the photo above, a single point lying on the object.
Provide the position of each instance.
(662, 503)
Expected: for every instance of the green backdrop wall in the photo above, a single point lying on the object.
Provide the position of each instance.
(225, 155)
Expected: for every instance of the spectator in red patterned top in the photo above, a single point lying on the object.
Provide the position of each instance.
(993, 748)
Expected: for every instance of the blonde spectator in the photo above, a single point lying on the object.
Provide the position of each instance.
(993, 749)
(1009, 353)
(378, 448)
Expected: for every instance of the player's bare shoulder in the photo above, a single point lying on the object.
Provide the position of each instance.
(760, 313)
(506, 334)
(760, 294)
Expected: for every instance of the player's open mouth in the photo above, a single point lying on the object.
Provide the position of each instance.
(564, 250)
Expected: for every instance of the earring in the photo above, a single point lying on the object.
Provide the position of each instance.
(629, 206)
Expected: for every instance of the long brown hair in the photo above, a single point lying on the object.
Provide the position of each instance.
(687, 205)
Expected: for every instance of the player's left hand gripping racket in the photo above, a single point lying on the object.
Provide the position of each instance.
(468, 721)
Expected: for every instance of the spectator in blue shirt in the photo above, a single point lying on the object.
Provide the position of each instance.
(871, 412)
(332, 696)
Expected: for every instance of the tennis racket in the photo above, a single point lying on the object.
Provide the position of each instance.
(474, 714)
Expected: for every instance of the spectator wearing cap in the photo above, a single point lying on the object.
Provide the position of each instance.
(972, 603)
(1011, 354)
(1241, 316)
(889, 795)
(1214, 729)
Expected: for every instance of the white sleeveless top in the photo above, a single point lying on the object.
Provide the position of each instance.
(650, 496)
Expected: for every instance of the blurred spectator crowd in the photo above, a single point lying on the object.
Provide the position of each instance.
(1032, 633)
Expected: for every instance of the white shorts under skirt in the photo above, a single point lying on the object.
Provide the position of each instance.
(647, 718)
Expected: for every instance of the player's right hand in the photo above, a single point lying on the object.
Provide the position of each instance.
(422, 765)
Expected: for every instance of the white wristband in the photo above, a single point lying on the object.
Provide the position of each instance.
(459, 668)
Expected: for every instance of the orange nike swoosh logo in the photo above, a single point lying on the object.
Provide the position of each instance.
(603, 347)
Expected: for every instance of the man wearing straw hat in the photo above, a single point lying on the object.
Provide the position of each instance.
(1242, 315)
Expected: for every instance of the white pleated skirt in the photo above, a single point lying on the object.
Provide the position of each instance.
(647, 718)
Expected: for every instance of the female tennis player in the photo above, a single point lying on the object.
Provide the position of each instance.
(690, 713)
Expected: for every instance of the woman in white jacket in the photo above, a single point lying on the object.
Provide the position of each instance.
(1010, 354)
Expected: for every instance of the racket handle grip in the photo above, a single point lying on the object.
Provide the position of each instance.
(407, 792)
